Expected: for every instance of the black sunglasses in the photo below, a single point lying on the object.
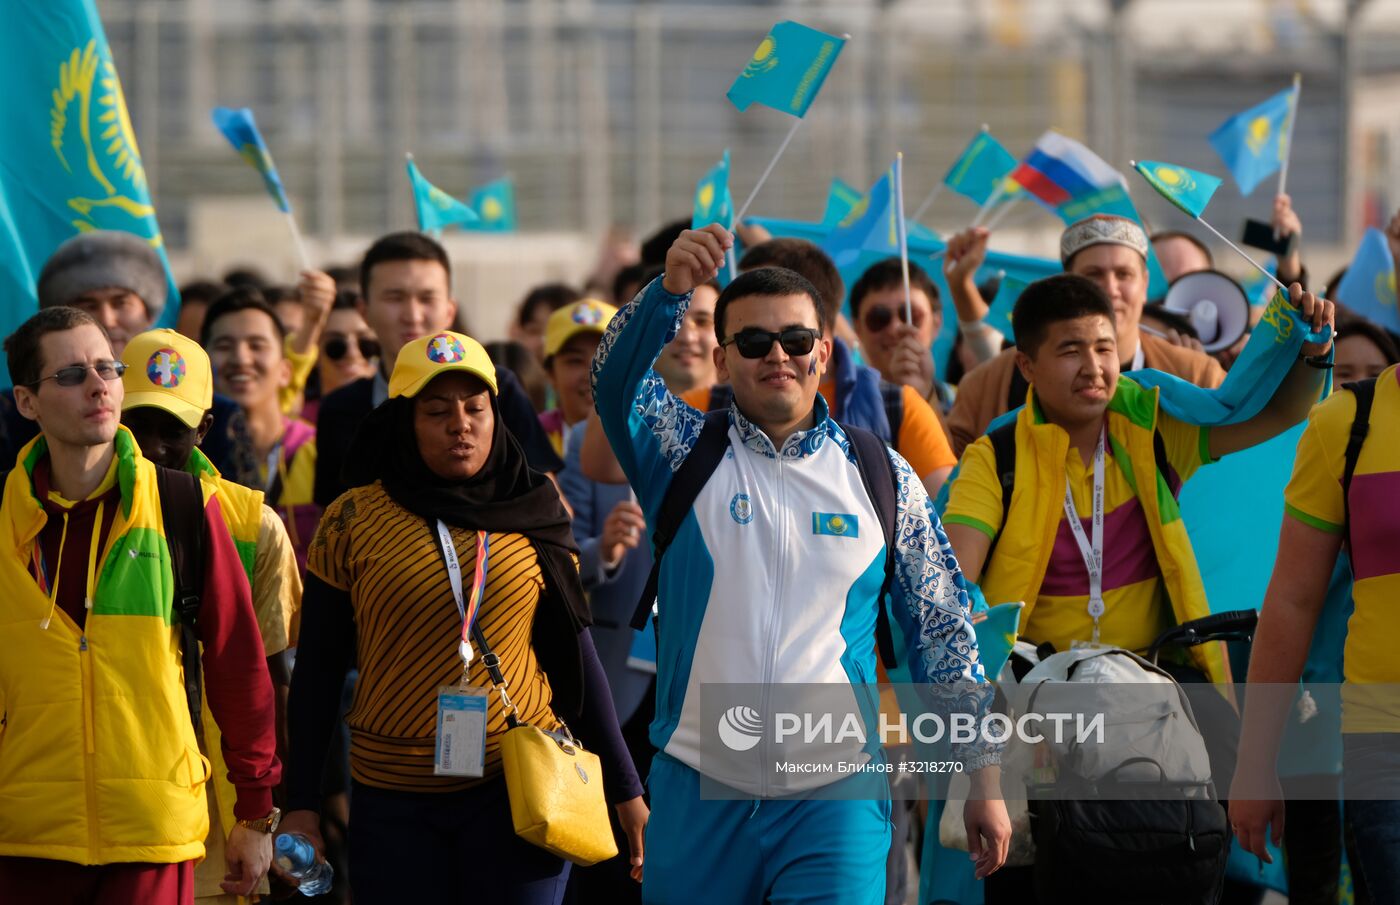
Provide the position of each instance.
(757, 343)
(75, 375)
(878, 317)
(336, 348)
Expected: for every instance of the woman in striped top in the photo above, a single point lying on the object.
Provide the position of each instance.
(378, 593)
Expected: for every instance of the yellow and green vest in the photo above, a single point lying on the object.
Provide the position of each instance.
(99, 762)
(1022, 554)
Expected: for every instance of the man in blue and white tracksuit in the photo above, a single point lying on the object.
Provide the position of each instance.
(774, 577)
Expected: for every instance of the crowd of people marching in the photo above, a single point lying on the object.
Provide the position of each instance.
(244, 557)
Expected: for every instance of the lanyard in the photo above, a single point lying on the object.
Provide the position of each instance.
(1093, 555)
(1138, 358)
(467, 609)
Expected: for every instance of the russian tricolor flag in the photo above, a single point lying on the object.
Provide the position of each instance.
(1060, 169)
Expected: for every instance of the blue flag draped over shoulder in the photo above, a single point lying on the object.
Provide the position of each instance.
(979, 168)
(241, 130)
(435, 208)
(787, 69)
(70, 163)
(1254, 143)
(1369, 285)
(494, 204)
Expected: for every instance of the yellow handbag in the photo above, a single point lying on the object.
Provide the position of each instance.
(555, 786)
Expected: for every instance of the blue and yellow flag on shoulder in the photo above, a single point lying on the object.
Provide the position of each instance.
(1253, 144)
(840, 200)
(787, 69)
(713, 201)
(70, 163)
(494, 204)
(1190, 190)
(436, 209)
(239, 127)
(978, 169)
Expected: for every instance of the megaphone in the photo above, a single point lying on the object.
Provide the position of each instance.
(1215, 304)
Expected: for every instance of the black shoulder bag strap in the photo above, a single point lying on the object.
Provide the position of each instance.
(1365, 393)
(1003, 441)
(182, 510)
(876, 473)
(892, 395)
(685, 486)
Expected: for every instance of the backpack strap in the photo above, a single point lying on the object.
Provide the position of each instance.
(881, 485)
(1365, 393)
(1004, 449)
(182, 510)
(892, 394)
(721, 394)
(686, 485)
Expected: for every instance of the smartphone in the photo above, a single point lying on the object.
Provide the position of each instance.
(1258, 234)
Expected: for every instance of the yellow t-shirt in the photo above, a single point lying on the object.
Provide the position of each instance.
(922, 442)
(1136, 609)
(1314, 497)
(290, 396)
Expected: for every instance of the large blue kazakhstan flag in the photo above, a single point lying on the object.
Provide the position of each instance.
(69, 163)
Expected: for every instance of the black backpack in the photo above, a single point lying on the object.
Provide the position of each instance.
(876, 473)
(1365, 393)
(182, 510)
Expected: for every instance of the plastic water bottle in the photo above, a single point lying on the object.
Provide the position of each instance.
(295, 854)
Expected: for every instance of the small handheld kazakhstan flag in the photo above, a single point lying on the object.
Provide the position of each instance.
(1253, 144)
(242, 132)
(436, 209)
(982, 164)
(1189, 190)
(840, 200)
(871, 226)
(494, 203)
(787, 69)
(713, 202)
(70, 162)
(1369, 285)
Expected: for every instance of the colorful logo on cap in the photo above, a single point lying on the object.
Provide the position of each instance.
(165, 368)
(445, 350)
(588, 315)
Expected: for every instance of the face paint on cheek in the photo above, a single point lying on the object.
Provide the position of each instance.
(812, 367)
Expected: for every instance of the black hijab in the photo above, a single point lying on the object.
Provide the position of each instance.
(505, 495)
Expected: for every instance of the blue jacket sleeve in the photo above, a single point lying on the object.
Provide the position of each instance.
(930, 603)
(588, 520)
(650, 430)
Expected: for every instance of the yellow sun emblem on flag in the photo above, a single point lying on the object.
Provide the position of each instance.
(107, 140)
(1175, 178)
(705, 197)
(1385, 288)
(491, 209)
(1260, 130)
(764, 58)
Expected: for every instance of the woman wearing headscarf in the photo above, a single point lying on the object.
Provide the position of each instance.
(434, 463)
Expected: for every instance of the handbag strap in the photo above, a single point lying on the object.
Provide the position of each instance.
(498, 679)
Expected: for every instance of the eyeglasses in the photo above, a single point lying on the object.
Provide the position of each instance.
(75, 375)
(337, 347)
(878, 317)
(757, 343)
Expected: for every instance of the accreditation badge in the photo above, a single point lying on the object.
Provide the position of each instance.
(460, 744)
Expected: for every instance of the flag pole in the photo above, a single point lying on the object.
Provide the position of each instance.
(1239, 251)
(1288, 139)
(296, 240)
(903, 231)
(1001, 214)
(992, 201)
(928, 201)
(744, 209)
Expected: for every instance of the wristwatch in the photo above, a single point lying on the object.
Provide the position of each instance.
(267, 825)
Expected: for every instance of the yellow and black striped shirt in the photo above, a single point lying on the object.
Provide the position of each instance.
(407, 629)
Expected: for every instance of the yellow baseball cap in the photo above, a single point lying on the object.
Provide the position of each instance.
(423, 359)
(587, 316)
(167, 370)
